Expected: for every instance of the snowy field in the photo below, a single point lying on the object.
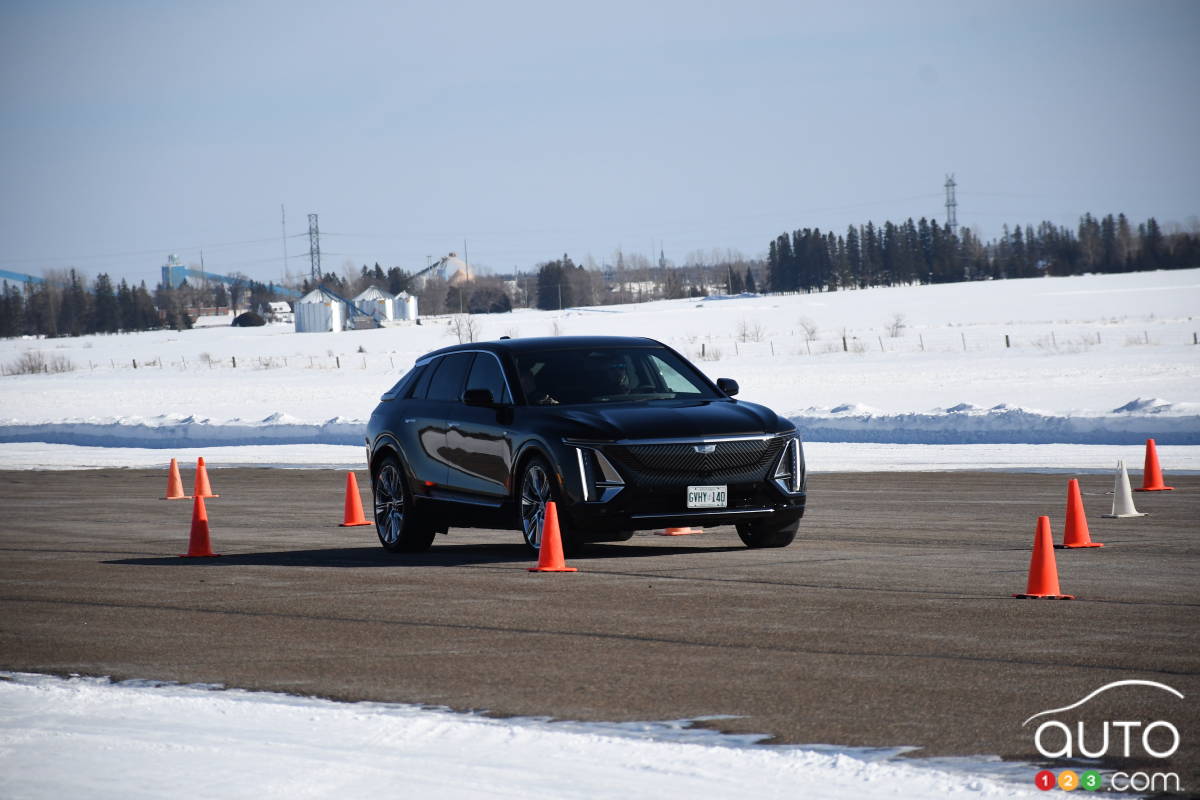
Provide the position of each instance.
(1055, 374)
(1076, 366)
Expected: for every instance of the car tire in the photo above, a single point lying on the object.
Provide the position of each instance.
(767, 533)
(535, 488)
(397, 522)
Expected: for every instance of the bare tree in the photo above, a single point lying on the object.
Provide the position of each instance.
(465, 327)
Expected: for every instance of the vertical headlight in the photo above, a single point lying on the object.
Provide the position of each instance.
(598, 478)
(790, 469)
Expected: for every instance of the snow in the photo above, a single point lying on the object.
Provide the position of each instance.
(1052, 374)
(1091, 360)
(147, 739)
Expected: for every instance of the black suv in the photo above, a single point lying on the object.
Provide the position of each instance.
(622, 433)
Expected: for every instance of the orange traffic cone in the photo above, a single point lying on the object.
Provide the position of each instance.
(174, 484)
(202, 489)
(680, 531)
(1152, 480)
(199, 545)
(1043, 572)
(1076, 532)
(550, 554)
(353, 514)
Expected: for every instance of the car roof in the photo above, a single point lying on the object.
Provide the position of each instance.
(536, 343)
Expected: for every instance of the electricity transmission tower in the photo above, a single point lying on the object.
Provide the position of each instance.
(314, 248)
(951, 205)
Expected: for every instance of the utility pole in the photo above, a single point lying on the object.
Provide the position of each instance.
(283, 227)
(951, 205)
(314, 249)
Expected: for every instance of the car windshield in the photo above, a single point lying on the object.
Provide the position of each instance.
(574, 376)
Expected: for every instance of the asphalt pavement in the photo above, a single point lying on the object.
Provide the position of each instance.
(888, 622)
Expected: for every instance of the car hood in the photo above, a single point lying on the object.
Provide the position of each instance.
(672, 420)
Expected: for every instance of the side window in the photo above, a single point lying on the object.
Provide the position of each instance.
(422, 385)
(447, 381)
(486, 374)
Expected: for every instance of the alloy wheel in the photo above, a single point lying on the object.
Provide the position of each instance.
(535, 493)
(389, 504)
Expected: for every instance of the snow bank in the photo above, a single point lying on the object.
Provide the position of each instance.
(1168, 423)
(964, 423)
(147, 739)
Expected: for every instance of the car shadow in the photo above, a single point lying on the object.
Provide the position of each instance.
(445, 555)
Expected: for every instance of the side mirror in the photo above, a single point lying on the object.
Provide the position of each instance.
(728, 385)
(478, 397)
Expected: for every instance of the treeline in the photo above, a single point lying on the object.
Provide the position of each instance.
(809, 260)
(65, 306)
(564, 284)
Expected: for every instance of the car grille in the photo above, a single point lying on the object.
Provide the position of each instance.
(736, 461)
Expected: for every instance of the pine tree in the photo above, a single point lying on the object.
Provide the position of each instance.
(1109, 259)
(107, 309)
(550, 286)
(1089, 243)
(854, 263)
(145, 313)
(1124, 244)
(74, 313)
(12, 311)
(1153, 253)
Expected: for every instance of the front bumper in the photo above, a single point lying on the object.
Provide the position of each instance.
(639, 485)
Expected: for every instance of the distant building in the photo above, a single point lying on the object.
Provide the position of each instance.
(455, 271)
(379, 304)
(320, 311)
(323, 309)
(279, 311)
(452, 269)
(406, 307)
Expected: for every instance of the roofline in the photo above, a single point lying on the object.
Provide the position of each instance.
(548, 343)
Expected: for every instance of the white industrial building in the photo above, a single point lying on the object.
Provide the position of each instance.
(378, 304)
(406, 307)
(320, 311)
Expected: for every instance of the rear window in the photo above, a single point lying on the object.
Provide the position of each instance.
(404, 385)
(447, 380)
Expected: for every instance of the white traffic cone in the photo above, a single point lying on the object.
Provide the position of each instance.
(1122, 496)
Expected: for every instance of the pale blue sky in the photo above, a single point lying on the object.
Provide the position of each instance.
(532, 129)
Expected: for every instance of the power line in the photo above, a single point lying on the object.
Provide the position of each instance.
(156, 251)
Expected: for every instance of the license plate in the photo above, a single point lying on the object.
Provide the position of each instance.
(707, 497)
